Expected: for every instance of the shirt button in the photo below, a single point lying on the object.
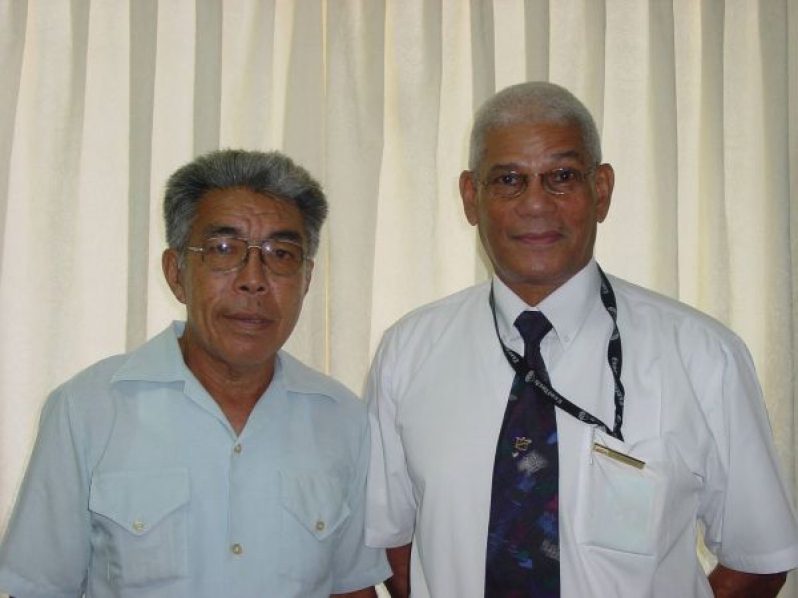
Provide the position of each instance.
(237, 448)
(320, 526)
(236, 549)
(138, 526)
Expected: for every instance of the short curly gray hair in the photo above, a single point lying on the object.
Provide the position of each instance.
(267, 173)
(532, 102)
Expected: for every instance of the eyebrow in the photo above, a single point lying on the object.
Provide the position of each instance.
(287, 235)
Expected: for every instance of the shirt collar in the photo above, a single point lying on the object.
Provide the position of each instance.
(566, 308)
(160, 360)
(157, 360)
(295, 376)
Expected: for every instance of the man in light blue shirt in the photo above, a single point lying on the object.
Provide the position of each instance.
(207, 462)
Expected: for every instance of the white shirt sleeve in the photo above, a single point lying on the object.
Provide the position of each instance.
(391, 506)
(750, 522)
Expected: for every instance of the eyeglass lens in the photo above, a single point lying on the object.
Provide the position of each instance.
(558, 181)
(229, 253)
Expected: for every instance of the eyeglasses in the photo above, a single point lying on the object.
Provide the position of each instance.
(557, 181)
(225, 254)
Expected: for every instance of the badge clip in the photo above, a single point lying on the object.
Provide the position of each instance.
(618, 456)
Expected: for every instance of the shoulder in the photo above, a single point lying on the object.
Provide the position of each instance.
(647, 311)
(430, 336)
(88, 398)
(427, 323)
(158, 361)
(301, 379)
(91, 385)
(82, 410)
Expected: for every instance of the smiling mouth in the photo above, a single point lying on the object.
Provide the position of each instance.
(539, 239)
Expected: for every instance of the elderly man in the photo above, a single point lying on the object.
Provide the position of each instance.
(556, 431)
(207, 462)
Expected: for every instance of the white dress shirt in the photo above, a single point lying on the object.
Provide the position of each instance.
(693, 413)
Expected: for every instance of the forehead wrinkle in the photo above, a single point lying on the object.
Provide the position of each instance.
(220, 230)
(506, 166)
(566, 154)
(287, 234)
(517, 166)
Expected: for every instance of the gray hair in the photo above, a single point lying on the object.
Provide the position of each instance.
(533, 102)
(270, 173)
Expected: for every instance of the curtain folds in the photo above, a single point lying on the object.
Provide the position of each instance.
(100, 100)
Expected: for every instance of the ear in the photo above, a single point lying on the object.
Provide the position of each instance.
(468, 193)
(170, 262)
(605, 182)
(308, 273)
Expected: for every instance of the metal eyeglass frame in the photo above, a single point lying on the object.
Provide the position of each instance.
(264, 247)
(544, 183)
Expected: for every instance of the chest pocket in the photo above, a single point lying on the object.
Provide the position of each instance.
(139, 525)
(315, 510)
(635, 510)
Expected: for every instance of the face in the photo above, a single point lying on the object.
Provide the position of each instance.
(237, 321)
(536, 241)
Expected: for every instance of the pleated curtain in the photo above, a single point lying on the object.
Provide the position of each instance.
(100, 100)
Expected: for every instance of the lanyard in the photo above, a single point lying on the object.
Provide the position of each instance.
(614, 359)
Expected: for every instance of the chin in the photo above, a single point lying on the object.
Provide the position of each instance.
(251, 354)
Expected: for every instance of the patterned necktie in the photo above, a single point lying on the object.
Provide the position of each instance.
(523, 536)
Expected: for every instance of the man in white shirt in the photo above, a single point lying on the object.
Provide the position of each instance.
(660, 424)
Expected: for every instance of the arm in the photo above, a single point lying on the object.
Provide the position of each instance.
(729, 583)
(357, 567)
(744, 472)
(364, 593)
(391, 511)
(50, 517)
(399, 584)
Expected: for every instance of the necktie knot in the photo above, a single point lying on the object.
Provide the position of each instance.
(533, 326)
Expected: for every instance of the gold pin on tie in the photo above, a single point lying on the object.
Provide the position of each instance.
(521, 443)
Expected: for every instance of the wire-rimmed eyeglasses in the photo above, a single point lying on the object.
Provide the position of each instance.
(509, 184)
(226, 254)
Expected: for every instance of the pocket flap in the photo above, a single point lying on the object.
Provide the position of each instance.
(317, 501)
(138, 500)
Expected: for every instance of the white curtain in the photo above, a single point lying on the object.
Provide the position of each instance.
(100, 100)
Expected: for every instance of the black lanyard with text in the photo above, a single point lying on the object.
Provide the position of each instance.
(614, 359)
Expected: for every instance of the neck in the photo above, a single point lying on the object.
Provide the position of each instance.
(236, 391)
(532, 295)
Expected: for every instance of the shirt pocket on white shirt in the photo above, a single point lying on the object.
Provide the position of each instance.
(315, 508)
(634, 510)
(139, 525)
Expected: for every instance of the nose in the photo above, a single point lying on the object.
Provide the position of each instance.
(251, 278)
(535, 199)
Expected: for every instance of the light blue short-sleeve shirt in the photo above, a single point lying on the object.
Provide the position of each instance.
(138, 486)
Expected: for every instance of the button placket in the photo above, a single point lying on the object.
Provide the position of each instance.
(236, 548)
